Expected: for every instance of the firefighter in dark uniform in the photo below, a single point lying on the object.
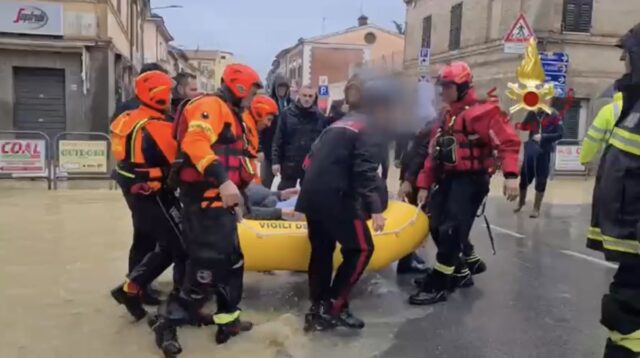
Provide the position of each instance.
(215, 169)
(145, 149)
(545, 130)
(460, 165)
(342, 189)
(617, 207)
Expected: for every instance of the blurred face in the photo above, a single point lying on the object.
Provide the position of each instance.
(265, 123)
(246, 102)
(281, 91)
(449, 93)
(627, 61)
(190, 88)
(307, 97)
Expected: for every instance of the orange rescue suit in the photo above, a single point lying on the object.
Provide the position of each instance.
(253, 142)
(144, 149)
(216, 148)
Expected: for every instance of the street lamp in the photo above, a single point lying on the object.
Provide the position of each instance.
(167, 7)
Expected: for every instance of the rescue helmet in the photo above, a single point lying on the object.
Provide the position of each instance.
(153, 89)
(240, 79)
(262, 107)
(457, 72)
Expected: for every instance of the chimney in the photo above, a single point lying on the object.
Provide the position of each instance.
(363, 20)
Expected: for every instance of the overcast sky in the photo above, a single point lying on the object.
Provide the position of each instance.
(255, 30)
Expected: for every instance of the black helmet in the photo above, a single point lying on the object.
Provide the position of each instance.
(630, 42)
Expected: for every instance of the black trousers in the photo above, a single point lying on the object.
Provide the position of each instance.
(621, 311)
(536, 165)
(216, 264)
(453, 208)
(357, 247)
(289, 178)
(266, 173)
(157, 219)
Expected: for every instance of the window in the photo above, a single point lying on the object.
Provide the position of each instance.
(456, 27)
(426, 32)
(299, 72)
(576, 15)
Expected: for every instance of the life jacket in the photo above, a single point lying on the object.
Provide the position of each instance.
(231, 148)
(132, 169)
(457, 147)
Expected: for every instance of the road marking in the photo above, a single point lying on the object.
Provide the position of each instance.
(589, 258)
(512, 233)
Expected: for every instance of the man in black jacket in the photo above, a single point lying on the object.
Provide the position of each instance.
(299, 126)
(280, 94)
(186, 87)
(133, 102)
(341, 190)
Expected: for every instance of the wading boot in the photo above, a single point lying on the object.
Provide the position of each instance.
(475, 264)
(433, 290)
(522, 199)
(131, 301)
(537, 204)
(461, 278)
(346, 319)
(319, 319)
(228, 330)
(166, 337)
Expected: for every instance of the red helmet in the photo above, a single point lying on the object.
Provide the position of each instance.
(240, 78)
(457, 72)
(262, 107)
(153, 89)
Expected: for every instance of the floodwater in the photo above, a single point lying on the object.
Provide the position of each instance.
(62, 251)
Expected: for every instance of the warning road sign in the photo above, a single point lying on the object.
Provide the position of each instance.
(518, 37)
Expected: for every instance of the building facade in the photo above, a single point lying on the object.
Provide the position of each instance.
(65, 64)
(338, 55)
(472, 31)
(156, 42)
(211, 63)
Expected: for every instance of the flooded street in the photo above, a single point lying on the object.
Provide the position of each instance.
(62, 251)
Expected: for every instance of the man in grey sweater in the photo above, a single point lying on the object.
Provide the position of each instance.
(262, 204)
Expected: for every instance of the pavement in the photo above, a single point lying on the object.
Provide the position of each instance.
(61, 251)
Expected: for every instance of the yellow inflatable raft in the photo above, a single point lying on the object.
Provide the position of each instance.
(283, 245)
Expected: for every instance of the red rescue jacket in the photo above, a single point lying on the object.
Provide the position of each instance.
(480, 129)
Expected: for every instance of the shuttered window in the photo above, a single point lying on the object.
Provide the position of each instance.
(456, 27)
(577, 15)
(426, 32)
(571, 122)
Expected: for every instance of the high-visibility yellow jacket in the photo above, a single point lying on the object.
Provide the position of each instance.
(600, 130)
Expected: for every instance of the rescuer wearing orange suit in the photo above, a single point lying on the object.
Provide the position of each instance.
(213, 173)
(145, 149)
(257, 117)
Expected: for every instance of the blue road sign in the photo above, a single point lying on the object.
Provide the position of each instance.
(425, 56)
(560, 90)
(561, 57)
(323, 91)
(556, 78)
(425, 52)
(554, 67)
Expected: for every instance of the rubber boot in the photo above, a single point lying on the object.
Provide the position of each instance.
(461, 278)
(537, 204)
(319, 318)
(346, 319)
(166, 335)
(475, 264)
(132, 302)
(615, 351)
(419, 281)
(522, 200)
(229, 330)
(433, 291)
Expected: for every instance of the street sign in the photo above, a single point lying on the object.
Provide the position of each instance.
(423, 78)
(518, 37)
(323, 81)
(556, 66)
(424, 59)
(323, 91)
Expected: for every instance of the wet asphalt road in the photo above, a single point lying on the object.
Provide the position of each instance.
(539, 298)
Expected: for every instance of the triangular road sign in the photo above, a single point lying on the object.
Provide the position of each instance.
(520, 31)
